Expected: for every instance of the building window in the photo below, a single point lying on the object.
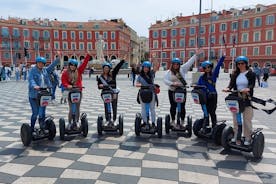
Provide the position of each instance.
(173, 54)
(36, 34)
(255, 51)
(64, 35)
(164, 33)
(81, 46)
(36, 45)
(191, 42)
(182, 43)
(234, 26)
(270, 20)
(56, 35)
(65, 46)
(164, 55)
(164, 44)
(192, 31)
(245, 24)
(81, 35)
(268, 50)
(233, 52)
(244, 51)
(112, 35)
(73, 35)
(212, 28)
(191, 53)
(73, 46)
(182, 32)
(113, 46)
(223, 27)
(97, 35)
(173, 33)
(213, 40)
(89, 46)
(105, 46)
(26, 44)
(56, 45)
(269, 35)
(46, 34)
(202, 30)
(89, 35)
(105, 35)
(155, 34)
(26, 33)
(5, 32)
(182, 54)
(258, 22)
(202, 41)
(257, 37)
(15, 32)
(173, 44)
(244, 37)
(46, 45)
(155, 44)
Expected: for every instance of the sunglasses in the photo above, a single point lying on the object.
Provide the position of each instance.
(206, 67)
(241, 63)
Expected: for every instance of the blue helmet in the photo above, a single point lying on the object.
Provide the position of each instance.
(176, 60)
(40, 60)
(73, 62)
(107, 64)
(242, 58)
(206, 63)
(146, 64)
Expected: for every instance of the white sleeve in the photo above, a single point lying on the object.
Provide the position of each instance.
(185, 67)
(167, 79)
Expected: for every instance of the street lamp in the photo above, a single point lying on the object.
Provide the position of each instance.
(210, 32)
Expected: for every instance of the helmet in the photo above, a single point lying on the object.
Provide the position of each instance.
(40, 60)
(176, 60)
(206, 63)
(73, 62)
(242, 58)
(146, 64)
(107, 64)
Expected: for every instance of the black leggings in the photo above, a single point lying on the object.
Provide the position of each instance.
(212, 107)
(174, 106)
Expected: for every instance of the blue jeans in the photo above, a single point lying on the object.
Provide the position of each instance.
(54, 92)
(36, 111)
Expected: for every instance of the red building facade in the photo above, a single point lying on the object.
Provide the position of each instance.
(249, 32)
(22, 40)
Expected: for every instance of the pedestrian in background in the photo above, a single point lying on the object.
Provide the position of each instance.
(54, 78)
(17, 72)
(257, 70)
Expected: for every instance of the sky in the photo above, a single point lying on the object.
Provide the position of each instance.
(138, 14)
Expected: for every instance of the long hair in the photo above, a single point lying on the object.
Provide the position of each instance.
(73, 75)
(174, 71)
(238, 71)
(148, 74)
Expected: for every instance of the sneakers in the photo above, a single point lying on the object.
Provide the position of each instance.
(247, 142)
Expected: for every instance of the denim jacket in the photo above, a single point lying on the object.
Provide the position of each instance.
(35, 78)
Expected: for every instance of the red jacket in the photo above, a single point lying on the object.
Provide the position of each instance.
(65, 78)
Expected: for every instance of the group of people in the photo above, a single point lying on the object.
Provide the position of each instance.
(261, 72)
(242, 79)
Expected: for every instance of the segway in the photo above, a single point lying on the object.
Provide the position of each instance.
(46, 129)
(108, 94)
(146, 95)
(235, 105)
(179, 98)
(201, 126)
(74, 127)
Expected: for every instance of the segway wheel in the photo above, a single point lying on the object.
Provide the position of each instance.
(258, 145)
(189, 126)
(52, 130)
(197, 126)
(61, 128)
(138, 124)
(100, 125)
(217, 132)
(84, 126)
(167, 124)
(26, 134)
(159, 127)
(121, 124)
(226, 136)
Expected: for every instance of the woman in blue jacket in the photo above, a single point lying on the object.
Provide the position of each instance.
(208, 79)
(39, 78)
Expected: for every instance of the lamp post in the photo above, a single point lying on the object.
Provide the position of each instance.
(210, 31)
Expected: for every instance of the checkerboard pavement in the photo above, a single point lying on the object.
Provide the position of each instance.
(127, 159)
